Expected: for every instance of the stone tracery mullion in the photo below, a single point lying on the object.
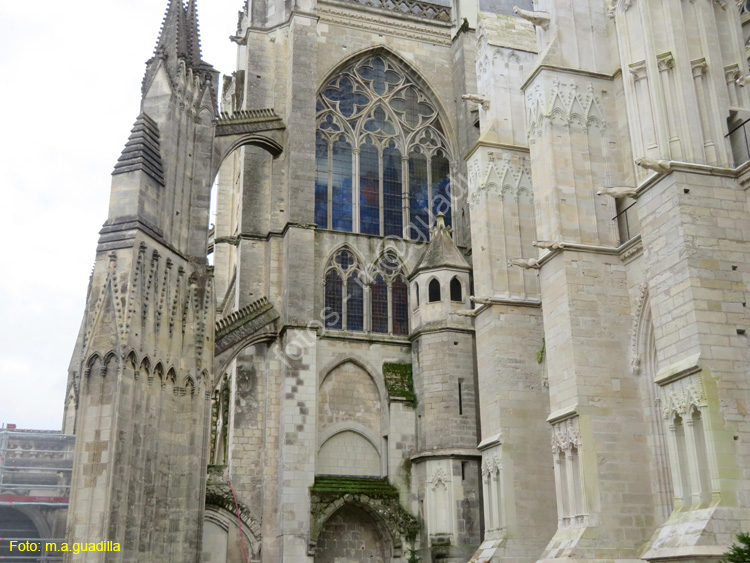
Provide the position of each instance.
(412, 122)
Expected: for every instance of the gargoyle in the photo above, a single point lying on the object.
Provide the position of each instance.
(483, 101)
(539, 19)
(743, 80)
(654, 164)
(617, 192)
(525, 263)
(548, 244)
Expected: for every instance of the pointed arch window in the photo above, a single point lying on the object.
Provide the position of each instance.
(377, 301)
(344, 293)
(456, 292)
(382, 157)
(433, 291)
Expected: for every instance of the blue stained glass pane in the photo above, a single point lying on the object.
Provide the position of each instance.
(392, 193)
(379, 303)
(400, 314)
(334, 300)
(342, 186)
(348, 100)
(355, 305)
(344, 259)
(441, 187)
(321, 181)
(369, 190)
(419, 220)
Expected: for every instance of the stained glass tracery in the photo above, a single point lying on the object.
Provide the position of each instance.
(381, 153)
(374, 299)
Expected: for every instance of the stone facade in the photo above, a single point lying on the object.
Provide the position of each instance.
(476, 289)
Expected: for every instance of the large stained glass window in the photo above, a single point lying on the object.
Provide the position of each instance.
(382, 158)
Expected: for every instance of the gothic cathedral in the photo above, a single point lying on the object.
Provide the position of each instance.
(425, 281)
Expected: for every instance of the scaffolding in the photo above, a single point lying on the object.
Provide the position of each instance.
(35, 473)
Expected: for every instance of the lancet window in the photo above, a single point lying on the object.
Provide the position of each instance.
(382, 157)
(350, 292)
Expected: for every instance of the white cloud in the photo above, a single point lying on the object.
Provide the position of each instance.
(75, 68)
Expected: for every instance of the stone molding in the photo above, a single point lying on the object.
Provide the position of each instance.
(368, 20)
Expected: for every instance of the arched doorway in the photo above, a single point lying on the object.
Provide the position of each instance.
(352, 535)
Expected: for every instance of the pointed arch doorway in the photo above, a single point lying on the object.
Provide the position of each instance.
(353, 535)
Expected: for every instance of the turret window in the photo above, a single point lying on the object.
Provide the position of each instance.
(456, 292)
(382, 158)
(433, 290)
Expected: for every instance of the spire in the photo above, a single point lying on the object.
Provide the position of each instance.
(179, 37)
(194, 35)
(441, 252)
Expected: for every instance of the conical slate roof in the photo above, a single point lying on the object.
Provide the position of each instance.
(142, 151)
(441, 252)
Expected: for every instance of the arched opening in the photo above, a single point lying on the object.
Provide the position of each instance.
(646, 369)
(16, 526)
(456, 291)
(433, 291)
(352, 534)
(416, 294)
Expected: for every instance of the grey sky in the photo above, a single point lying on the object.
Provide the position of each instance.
(71, 89)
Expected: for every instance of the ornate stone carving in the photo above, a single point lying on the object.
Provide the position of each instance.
(563, 104)
(656, 165)
(525, 263)
(678, 396)
(638, 313)
(483, 101)
(539, 19)
(637, 70)
(565, 435)
(618, 192)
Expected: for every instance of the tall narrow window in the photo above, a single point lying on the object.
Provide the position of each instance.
(433, 289)
(379, 300)
(456, 293)
(355, 304)
(321, 181)
(400, 314)
(460, 397)
(369, 189)
(334, 313)
(344, 292)
(369, 116)
(392, 214)
(419, 219)
(342, 185)
(441, 187)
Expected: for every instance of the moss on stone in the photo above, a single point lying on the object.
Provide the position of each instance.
(400, 382)
(336, 486)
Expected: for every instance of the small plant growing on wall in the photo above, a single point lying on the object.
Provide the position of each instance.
(739, 553)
